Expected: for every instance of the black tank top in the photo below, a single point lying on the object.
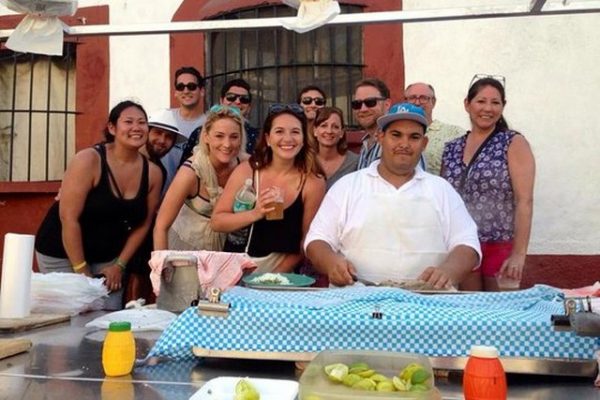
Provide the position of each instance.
(279, 236)
(106, 220)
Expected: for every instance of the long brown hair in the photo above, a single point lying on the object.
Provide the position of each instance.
(323, 115)
(305, 160)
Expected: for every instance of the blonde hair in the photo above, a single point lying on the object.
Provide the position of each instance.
(200, 157)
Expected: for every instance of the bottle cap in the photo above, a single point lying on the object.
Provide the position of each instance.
(121, 326)
(484, 351)
(248, 182)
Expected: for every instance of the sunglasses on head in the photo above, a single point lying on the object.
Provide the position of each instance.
(219, 107)
(370, 102)
(232, 97)
(180, 87)
(280, 107)
(307, 100)
(478, 77)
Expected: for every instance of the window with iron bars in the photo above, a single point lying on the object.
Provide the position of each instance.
(277, 63)
(37, 115)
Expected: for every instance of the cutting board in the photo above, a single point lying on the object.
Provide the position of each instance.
(11, 325)
(10, 347)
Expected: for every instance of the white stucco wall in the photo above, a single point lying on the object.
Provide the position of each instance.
(551, 65)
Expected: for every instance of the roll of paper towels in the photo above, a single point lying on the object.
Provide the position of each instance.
(15, 298)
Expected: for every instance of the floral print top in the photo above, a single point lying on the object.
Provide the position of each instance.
(484, 185)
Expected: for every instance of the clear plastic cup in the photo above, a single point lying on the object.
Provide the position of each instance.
(277, 205)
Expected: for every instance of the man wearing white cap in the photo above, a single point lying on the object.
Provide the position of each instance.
(393, 221)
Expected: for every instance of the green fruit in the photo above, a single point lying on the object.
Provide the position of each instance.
(366, 374)
(379, 378)
(400, 384)
(419, 387)
(408, 371)
(385, 386)
(245, 391)
(358, 367)
(365, 384)
(336, 372)
(419, 376)
(351, 379)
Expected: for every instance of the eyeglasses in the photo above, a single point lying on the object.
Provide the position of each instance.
(191, 86)
(223, 108)
(232, 97)
(370, 102)
(280, 107)
(307, 100)
(478, 77)
(421, 99)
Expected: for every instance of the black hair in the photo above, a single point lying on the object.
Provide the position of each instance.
(482, 83)
(306, 89)
(191, 71)
(377, 84)
(116, 112)
(239, 82)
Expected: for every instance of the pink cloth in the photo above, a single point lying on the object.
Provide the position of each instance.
(215, 269)
(592, 291)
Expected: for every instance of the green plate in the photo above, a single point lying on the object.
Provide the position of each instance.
(296, 281)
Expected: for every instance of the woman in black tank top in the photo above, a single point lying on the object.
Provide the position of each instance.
(108, 197)
(285, 158)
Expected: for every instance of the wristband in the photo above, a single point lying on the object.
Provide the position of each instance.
(79, 266)
(122, 264)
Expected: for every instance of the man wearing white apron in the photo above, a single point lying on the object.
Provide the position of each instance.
(392, 220)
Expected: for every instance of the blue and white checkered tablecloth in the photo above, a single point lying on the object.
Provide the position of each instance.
(517, 323)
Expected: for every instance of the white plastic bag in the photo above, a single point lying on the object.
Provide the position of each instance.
(40, 31)
(141, 319)
(66, 293)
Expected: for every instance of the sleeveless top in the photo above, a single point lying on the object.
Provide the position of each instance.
(484, 185)
(191, 229)
(106, 219)
(279, 236)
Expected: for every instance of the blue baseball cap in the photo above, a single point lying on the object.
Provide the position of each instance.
(403, 111)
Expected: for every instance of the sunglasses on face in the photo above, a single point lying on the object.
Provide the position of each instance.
(279, 107)
(180, 87)
(232, 97)
(218, 108)
(370, 102)
(307, 100)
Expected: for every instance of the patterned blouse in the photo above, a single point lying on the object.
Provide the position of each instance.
(484, 184)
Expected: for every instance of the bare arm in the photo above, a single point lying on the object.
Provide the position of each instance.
(455, 268)
(521, 166)
(76, 184)
(113, 273)
(223, 218)
(339, 270)
(183, 186)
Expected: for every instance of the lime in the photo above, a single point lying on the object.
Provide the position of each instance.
(366, 374)
(365, 384)
(350, 379)
(400, 384)
(419, 376)
(419, 387)
(385, 386)
(336, 372)
(245, 391)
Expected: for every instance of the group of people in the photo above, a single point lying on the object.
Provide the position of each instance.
(172, 180)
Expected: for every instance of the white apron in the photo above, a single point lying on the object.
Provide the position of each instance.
(400, 237)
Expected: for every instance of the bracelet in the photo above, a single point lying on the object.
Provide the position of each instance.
(79, 266)
(122, 264)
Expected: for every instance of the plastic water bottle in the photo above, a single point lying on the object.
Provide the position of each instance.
(118, 351)
(245, 197)
(484, 377)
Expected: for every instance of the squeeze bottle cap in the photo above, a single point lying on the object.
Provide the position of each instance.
(121, 326)
(248, 182)
(484, 351)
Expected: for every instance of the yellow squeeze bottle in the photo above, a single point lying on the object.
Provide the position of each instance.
(118, 351)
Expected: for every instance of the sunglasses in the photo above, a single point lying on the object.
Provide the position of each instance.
(478, 77)
(180, 87)
(280, 107)
(222, 108)
(370, 102)
(307, 100)
(232, 98)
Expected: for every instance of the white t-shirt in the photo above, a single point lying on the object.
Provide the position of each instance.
(172, 158)
(344, 208)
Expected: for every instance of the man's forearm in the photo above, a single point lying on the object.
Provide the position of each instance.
(459, 263)
(320, 254)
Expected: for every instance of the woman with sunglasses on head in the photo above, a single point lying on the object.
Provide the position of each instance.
(282, 162)
(311, 98)
(108, 198)
(493, 169)
(183, 221)
(332, 148)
